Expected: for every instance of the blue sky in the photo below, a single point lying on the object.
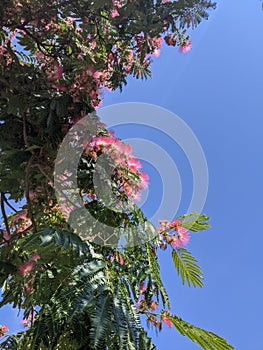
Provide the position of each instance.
(217, 90)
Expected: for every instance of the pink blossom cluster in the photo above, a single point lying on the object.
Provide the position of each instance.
(5, 57)
(177, 238)
(118, 257)
(165, 318)
(142, 305)
(3, 330)
(29, 265)
(88, 81)
(117, 4)
(127, 174)
(27, 321)
(6, 236)
(55, 72)
(156, 44)
(185, 47)
(149, 307)
(20, 221)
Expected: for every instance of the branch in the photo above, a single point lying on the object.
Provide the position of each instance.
(4, 213)
(7, 203)
(30, 211)
(24, 131)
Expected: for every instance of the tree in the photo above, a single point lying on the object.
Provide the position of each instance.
(78, 288)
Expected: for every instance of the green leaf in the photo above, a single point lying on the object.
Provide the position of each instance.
(101, 321)
(207, 340)
(66, 239)
(145, 343)
(187, 268)
(194, 222)
(155, 272)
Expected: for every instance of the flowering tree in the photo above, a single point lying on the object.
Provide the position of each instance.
(78, 290)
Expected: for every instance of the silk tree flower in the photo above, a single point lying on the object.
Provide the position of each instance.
(34, 256)
(3, 330)
(55, 73)
(153, 305)
(28, 288)
(183, 235)
(181, 239)
(144, 180)
(114, 13)
(175, 242)
(26, 268)
(20, 221)
(164, 226)
(165, 319)
(156, 53)
(118, 3)
(26, 321)
(175, 224)
(6, 235)
(184, 48)
(143, 288)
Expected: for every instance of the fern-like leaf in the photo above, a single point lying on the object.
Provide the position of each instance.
(66, 239)
(207, 340)
(195, 222)
(155, 273)
(10, 343)
(101, 321)
(187, 268)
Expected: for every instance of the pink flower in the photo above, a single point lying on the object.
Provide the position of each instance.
(185, 47)
(166, 320)
(58, 71)
(28, 288)
(156, 53)
(34, 256)
(21, 220)
(26, 267)
(114, 13)
(6, 236)
(55, 73)
(143, 288)
(134, 164)
(165, 1)
(175, 242)
(153, 305)
(117, 3)
(3, 330)
(183, 235)
(157, 42)
(97, 75)
(59, 87)
(137, 197)
(25, 226)
(25, 323)
(164, 226)
(144, 180)
(174, 224)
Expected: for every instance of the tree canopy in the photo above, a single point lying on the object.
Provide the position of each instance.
(81, 289)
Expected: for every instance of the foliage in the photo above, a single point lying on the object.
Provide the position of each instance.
(55, 60)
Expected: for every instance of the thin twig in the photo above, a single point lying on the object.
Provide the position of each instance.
(7, 203)
(24, 131)
(30, 211)
(4, 213)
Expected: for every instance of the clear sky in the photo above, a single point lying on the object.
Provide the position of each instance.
(217, 89)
